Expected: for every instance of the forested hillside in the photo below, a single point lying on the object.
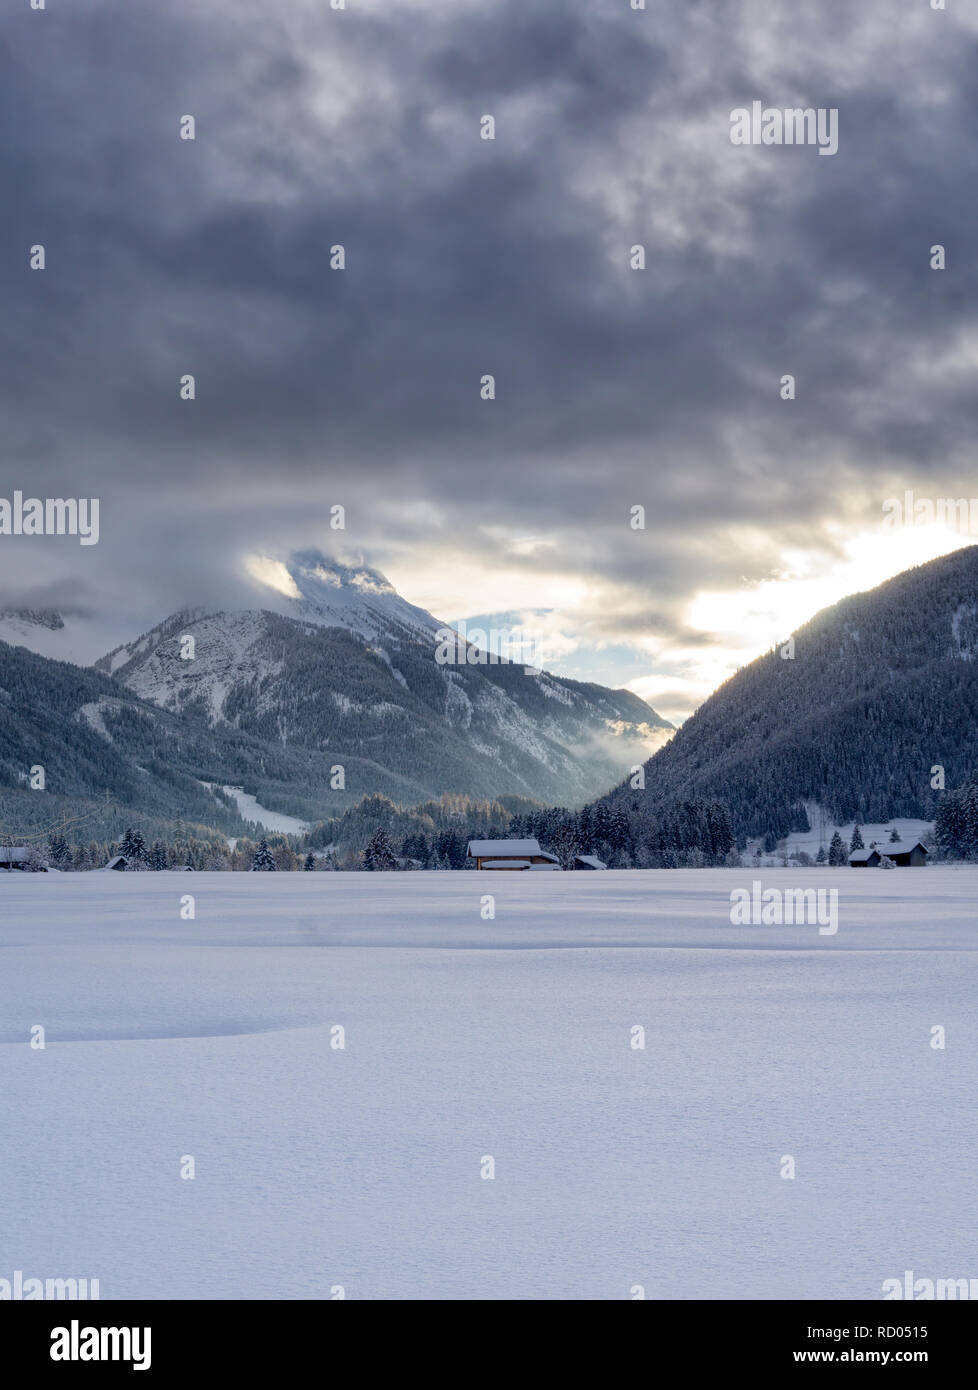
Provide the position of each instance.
(881, 688)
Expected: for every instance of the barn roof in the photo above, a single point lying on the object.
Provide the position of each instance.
(591, 859)
(902, 847)
(860, 856)
(503, 849)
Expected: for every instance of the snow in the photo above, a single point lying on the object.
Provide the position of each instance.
(229, 650)
(333, 594)
(822, 830)
(93, 714)
(458, 706)
(548, 687)
(522, 849)
(464, 1038)
(272, 820)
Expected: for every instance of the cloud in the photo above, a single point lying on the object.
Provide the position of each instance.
(464, 257)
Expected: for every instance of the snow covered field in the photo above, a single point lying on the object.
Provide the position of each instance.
(465, 1038)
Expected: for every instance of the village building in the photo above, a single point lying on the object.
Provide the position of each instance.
(905, 854)
(511, 854)
(588, 861)
(13, 857)
(865, 858)
(119, 863)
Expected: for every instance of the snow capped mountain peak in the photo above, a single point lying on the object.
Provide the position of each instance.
(314, 587)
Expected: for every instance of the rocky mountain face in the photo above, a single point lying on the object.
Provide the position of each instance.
(340, 664)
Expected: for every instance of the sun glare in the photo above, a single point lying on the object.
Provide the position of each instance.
(273, 574)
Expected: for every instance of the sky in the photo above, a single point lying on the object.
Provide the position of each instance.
(615, 388)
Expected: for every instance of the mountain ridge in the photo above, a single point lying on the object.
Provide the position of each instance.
(882, 687)
(338, 678)
(343, 663)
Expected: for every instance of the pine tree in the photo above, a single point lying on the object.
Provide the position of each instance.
(379, 855)
(58, 851)
(969, 799)
(133, 846)
(157, 856)
(263, 861)
(894, 836)
(310, 863)
(857, 839)
(821, 857)
(837, 850)
(721, 834)
(619, 832)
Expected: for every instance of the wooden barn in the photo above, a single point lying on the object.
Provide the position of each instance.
(865, 859)
(511, 854)
(588, 861)
(906, 854)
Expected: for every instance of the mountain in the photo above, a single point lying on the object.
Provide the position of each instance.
(109, 758)
(336, 662)
(882, 687)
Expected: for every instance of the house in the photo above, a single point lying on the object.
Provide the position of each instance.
(510, 854)
(865, 858)
(907, 854)
(588, 861)
(13, 857)
(118, 862)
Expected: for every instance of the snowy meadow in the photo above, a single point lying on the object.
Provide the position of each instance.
(386, 1092)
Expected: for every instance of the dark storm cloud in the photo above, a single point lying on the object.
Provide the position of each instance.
(468, 257)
